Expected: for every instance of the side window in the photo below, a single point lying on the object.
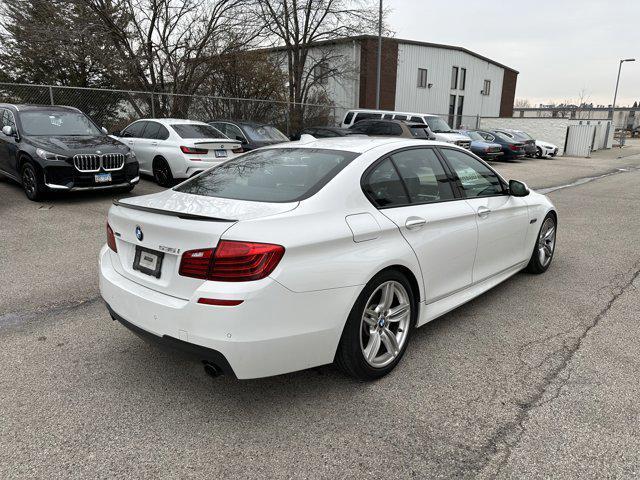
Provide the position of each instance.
(387, 116)
(220, 126)
(366, 115)
(347, 118)
(384, 187)
(163, 133)
(477, 179)
(3, 118)
(423, 175)
(417, 119)
(379, 128)
(152, 130)
(361, 127)
(395, 129)
(134, 130)
(400, 117)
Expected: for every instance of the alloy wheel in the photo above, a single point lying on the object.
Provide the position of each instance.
(385, 324)
(546, 241)
(29, 180)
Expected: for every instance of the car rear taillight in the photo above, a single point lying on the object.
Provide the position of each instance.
(111, 239)
(232, 261)
(194, 151)
(238, 150)
(515, 147)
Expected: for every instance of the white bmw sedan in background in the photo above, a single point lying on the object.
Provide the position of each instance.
(317, 251)
(171, 149)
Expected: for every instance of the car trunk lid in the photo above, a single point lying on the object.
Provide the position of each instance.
(167, 224)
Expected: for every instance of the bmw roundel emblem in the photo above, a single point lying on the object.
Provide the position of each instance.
(139, 234)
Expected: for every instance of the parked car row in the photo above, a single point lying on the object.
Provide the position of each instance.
(59, 148)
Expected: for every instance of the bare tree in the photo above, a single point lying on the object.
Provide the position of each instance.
(172, 45)
(304, 29)
(522, 103)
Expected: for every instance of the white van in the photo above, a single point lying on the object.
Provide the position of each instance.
(434, 123)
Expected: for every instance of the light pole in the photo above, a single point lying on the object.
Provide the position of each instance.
(615, 95)
(379, 57)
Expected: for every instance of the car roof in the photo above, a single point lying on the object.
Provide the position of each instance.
(172, 121)
(241, 122)
(355, 143)
(21, 107)
(392, 112)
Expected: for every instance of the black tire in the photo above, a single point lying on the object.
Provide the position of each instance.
(536, 264)
(162, 172)
(539, 152)
(32, 182)
(349, 355)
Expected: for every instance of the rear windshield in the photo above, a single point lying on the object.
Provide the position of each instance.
(504, 137)
(57, 123)
(419, 131)
(195, 130)
(474, 136)
(264, 133)
(273, 175)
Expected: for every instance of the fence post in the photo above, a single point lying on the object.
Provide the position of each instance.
(51, 95)
(477, 121)
(153, 106)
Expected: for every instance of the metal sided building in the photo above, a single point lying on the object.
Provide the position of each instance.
(416, 77)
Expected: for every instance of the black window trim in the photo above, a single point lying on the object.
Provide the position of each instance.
(459, 187)
(457, 192)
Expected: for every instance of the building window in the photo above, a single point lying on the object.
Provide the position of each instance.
(460, 106)
(454, 78)
(321, 73)
(422, 78)
(452, 109)
(463, 78)
(487, 87)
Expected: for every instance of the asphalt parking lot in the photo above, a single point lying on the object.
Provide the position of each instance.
(535, 379)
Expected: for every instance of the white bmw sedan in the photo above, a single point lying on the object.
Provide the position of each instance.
(169, 148)
(319, 251)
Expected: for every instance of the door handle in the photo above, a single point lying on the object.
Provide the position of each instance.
(414, 223)
(483, 212)
(154, 144)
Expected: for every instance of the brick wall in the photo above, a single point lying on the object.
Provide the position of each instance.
(368, 71)
(508, 93)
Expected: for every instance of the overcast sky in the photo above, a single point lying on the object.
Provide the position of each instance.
(560, 47)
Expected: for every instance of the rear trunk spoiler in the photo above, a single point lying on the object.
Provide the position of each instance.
(186, 216)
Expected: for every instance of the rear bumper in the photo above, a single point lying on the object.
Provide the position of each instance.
(273, 331)
(201, 353)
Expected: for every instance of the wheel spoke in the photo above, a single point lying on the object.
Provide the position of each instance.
(398, 313)
(550, 233)
(373, 347)
(541, 256)
(389, 340)
(387, 296)
(370, 317)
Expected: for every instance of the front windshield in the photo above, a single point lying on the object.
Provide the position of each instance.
(272, 175)
(437, 125)
(475, 136)
(57, 123)
(264, 133)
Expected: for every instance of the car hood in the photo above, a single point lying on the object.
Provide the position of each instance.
(451, 137)
(212, 207)
(74, 144)
(545, 144)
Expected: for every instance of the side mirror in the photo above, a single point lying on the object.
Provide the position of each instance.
(241, 139)
(518, 189)
(104, 130)
(8, 131)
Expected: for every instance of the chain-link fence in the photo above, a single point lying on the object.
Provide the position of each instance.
(115, 109)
